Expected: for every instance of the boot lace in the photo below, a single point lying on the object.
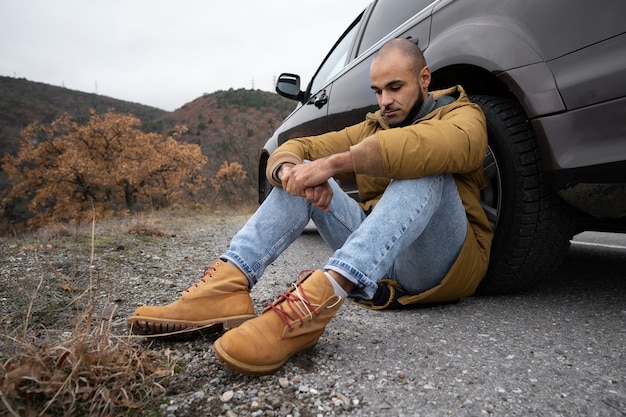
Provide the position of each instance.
(299, 304)
(207, 273)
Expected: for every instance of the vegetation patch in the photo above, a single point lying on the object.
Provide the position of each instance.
(147, 229)
(87, 372)
(49, 369)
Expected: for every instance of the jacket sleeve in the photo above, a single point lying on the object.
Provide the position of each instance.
(453, 140)
(311, 148)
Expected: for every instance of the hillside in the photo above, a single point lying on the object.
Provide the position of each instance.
(228, 125)
(23, 102)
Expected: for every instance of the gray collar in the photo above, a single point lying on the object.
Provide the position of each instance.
(426, 108)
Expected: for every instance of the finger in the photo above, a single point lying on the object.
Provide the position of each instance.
(309, 194)
(323, 197)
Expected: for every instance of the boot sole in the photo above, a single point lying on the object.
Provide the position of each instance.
(253, 370)
(149, 326)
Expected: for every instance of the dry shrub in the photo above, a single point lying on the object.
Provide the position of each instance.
(229, 178)
(88, 372)
(65, 170)
(146, 227)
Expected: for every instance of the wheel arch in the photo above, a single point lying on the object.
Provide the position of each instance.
(475, 80)
(502, 64)
(264, 186)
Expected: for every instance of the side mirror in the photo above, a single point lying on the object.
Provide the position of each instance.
(288, 85)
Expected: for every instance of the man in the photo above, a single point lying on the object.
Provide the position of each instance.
(418, 235)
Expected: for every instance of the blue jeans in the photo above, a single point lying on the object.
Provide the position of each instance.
(413, 235)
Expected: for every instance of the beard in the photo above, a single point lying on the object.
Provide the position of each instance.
(410, 117)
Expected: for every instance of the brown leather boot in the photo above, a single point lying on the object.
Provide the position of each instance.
(221, 297)
(291, 324)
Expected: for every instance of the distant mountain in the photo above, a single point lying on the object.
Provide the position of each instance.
(23, 102)
(229, 125)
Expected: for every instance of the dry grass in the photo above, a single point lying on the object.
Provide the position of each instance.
(89, 372)
(145, 225)
(55, 230)
(84, 372)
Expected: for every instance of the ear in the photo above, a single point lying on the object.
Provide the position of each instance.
(424, 77)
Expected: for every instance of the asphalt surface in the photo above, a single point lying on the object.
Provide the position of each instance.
(556, 350)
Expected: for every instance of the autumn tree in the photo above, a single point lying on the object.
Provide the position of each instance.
(65, 169)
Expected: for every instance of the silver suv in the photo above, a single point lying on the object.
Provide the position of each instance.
(551, 79)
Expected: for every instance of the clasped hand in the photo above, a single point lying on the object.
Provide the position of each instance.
(310, 181)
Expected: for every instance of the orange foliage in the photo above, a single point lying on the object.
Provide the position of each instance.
(64, 169)
(229, 174)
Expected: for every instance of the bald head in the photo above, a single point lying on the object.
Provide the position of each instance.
(409, 50)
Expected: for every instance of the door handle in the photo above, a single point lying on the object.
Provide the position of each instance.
(321, 100)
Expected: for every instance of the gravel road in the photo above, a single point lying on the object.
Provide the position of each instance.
(558, 350)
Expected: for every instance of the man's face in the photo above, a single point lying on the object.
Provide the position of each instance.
(399, 92)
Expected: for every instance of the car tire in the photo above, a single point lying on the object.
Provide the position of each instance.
(533, 226)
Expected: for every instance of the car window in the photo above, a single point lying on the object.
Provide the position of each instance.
(336, 60)
(388, 15)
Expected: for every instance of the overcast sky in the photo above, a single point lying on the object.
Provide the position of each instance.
(165, 53)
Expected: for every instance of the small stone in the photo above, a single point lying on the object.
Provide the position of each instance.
(343, 398)
(227, 396)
